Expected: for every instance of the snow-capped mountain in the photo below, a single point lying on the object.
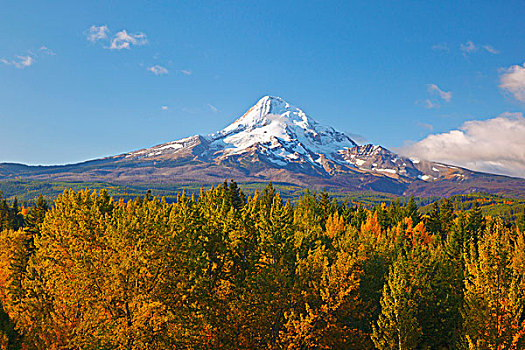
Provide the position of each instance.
(273, 129)
(283, 131)
(277, 134)
(276, 141)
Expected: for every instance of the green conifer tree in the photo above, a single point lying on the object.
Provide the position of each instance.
(397, 327)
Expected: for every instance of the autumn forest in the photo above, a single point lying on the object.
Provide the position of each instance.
(222, 269)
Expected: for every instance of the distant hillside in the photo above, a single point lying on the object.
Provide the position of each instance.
(510, 209)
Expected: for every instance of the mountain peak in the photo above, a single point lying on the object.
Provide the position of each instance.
(269, 108)
(270, 99)
(281, 131)
(272, 104)
(274, 129)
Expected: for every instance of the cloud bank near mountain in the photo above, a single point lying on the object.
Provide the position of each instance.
(495, 145)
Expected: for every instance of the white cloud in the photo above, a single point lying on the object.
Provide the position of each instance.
(429, 104)
(186, 72)
(96, 33)
(121, 40)
(20, 62)
(513, 80)
(158, 70)
(164, 108)
(46, 50)
(124, 40)
(468, 47)
(27, 60)
(444, 95)
(490, 49)
(24, 61)
(213, 108)
(495, 145)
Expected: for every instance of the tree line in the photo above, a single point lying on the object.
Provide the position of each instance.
(226, 270)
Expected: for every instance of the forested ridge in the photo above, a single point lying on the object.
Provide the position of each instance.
(225, 270)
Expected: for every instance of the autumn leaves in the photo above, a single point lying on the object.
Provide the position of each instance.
(223, 270)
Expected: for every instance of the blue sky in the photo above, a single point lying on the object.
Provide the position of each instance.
(392, 72)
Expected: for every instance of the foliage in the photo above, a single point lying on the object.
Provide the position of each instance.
(220, 268)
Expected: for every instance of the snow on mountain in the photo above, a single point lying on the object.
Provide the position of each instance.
(278, 130)
(164, 148)
(278, 134)
(281, 131)
(378, 159)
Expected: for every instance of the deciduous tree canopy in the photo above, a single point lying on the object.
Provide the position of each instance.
(226, 270)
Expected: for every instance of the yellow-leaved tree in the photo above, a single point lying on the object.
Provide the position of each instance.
(494, 292)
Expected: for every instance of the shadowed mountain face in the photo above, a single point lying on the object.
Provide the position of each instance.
(274, 141)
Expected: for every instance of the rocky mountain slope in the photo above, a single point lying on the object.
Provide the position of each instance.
(275, 141)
